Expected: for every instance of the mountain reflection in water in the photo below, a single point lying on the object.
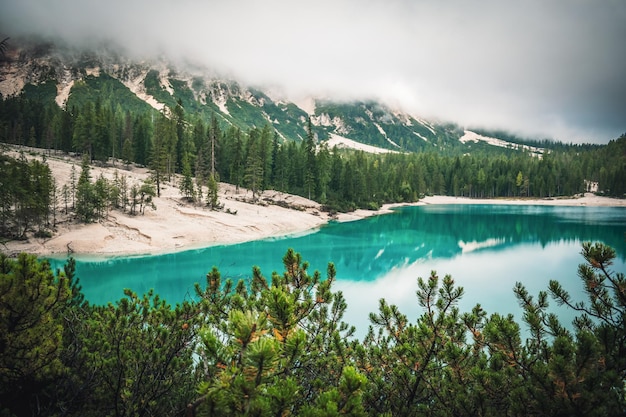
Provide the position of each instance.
(486, 248)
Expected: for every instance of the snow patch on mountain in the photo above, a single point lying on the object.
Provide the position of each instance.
(136, 85)
(93, 71)
(427, 125)
(219, 95)
(380, 129)
(307, 104)
(344, 143)
(164, 80)
(475, 137)
(404, 118)
(382, 132)
(63, 93)
(336, 122)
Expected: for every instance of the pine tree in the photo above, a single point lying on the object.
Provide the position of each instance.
(65, 194)
(127, 152)
(178, 145)
(32, 301)
(276, 348)
(134, 199)
(101, 192)
(54, 200)
(72, 187)
(85, 194)
(214, 134)
(146, 192)
(121, 182)
(148, 370)
(212, 194)
(237, 164)
(310, 160)
(160, 157)
(253, 176)
(186, 183)
(84, 130)
(142, 144)
(323, 174)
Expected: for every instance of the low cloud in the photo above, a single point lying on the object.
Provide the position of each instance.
(551, 68)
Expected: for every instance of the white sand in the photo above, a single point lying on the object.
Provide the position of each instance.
(177, 225)
(588, 199)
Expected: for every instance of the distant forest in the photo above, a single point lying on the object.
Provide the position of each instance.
(178, 141)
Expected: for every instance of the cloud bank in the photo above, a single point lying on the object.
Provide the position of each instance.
(548, 69)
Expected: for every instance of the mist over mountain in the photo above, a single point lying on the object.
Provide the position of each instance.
(71, 76)
(540, 69)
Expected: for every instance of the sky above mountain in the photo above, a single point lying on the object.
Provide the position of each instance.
(542, 68)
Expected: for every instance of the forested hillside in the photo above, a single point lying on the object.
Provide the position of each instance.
(209, 130)
(278, 345)
(260, 158)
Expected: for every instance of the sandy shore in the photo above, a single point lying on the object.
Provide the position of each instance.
(176, 225)
(588, 199)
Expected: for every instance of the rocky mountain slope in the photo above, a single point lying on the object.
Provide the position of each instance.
(70, 77)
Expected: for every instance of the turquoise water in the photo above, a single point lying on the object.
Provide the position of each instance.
(486, 248)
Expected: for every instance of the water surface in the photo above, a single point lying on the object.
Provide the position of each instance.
(486, 248)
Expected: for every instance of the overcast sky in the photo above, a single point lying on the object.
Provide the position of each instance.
(545, 68)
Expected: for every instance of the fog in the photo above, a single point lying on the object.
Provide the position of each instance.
(546, 69)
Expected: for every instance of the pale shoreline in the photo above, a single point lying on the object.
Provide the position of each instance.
(587, 200)
(188, 228)
(176, 226)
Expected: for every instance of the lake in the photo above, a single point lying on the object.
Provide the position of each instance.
(486, 249)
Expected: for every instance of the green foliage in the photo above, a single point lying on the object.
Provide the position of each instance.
(567, 367)
(254, 170)
(345, 400)
(142, 350)
(32, 305)
(612, 173)
(85, 194)
(278, 346)
(186, 183)
(109, 91)
(147, 191)
(45, 92)
(163, 156)
(279, 339)
(26, 190)
(212, 196)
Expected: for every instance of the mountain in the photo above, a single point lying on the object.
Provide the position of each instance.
(71, 77)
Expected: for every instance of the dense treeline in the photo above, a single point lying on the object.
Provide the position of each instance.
(27, 197)
(278, 345)
(31, 200)
(175, 141)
